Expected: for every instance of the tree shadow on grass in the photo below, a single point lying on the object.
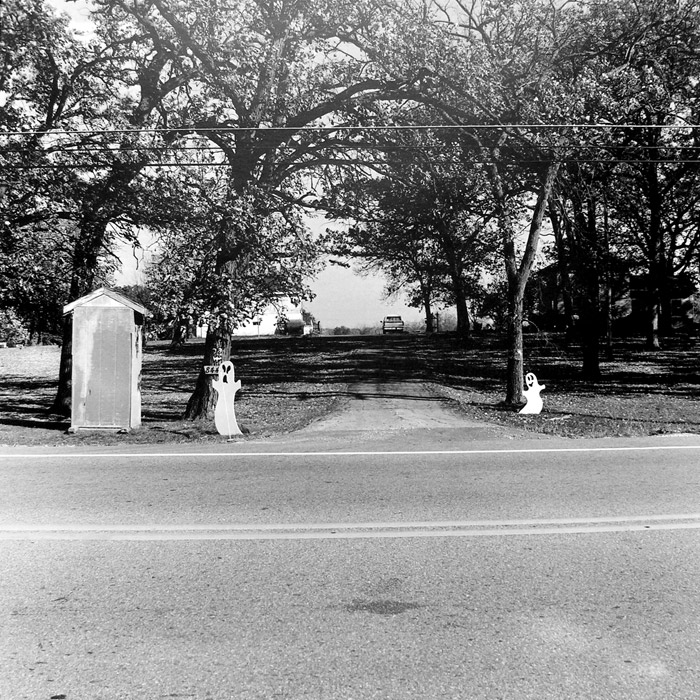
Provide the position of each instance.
(26, 403)
(46, 423)
(320, 370)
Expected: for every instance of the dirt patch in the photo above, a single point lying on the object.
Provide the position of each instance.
(381, 406)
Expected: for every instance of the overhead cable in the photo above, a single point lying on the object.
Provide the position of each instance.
(386, 127)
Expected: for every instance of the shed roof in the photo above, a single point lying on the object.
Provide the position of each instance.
(104, 292)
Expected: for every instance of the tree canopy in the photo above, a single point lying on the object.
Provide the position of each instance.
(453, 134)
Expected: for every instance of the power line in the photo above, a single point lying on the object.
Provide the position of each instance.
(521, 161)
(386, 127)
(72, 150)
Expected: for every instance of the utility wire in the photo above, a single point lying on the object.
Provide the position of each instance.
(531, 161)
(70, 149)
(388, 127)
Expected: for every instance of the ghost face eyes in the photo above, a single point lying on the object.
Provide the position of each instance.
(226, 371)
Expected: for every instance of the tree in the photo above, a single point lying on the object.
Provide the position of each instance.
(512, 54)
(641, 66)
(80, 104)
(270, 248)
(518, 267)
(575, 216)
(36, 234)
(264, 73)
(425, 222)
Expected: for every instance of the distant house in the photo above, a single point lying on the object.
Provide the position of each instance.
(281, 317)
(629, 301)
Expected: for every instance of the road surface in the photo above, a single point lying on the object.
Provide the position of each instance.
(416, 562)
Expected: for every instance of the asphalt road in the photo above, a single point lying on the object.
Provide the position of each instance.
(405, 564)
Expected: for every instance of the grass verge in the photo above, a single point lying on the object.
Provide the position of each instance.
(288, 383)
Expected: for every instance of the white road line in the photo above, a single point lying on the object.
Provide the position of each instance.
(348, 531)
(373, 534)
(423, 524)
(387, 453)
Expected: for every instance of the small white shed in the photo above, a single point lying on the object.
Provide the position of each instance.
(106, 361)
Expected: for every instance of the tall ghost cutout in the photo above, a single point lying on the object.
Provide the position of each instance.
(225, 412)
(532, 395)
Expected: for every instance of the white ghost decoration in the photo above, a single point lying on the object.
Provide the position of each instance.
(532, 395)
(225, 412)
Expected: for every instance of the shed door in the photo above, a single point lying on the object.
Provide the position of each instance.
(108, 400)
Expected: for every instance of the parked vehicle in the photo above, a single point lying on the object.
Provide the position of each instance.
(392, 324)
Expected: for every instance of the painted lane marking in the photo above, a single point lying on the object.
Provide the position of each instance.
(388, 453)
(420, 524)
(312, 532)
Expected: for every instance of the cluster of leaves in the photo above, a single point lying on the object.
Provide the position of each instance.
(613, 164)
(233, 256)
(107, 125)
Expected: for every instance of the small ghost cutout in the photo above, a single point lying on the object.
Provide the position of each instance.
(532, 395)
(225, 412)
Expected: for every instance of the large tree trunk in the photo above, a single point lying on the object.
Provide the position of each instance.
(653, 322)
(517, 272)
(655, 295)
(514, 333)
(62, 401)
(455, 264)
(426, 299)
(428, 309)
(201, 405)
(463, 321)
(590, 342)
(85, 261)
(217, 346)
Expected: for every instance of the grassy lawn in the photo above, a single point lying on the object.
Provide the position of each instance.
(640, 392)
(289, 382)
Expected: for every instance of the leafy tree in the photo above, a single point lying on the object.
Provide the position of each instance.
(575, 214)
(76, 151)
(425, 223)
(261, 74)
(36, 203)
(641, 66)
(271, 252)
(512, 80)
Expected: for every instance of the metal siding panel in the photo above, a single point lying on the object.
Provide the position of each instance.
(108, 396)
(83, 337)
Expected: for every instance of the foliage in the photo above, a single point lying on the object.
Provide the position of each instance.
(271, 252)
(35, 207)
(12, 330)
(426, 222)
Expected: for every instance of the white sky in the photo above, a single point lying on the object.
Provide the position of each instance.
(343, 298)
(346, 299)
(78, 12)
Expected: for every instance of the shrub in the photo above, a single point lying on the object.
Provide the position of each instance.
(12, 330)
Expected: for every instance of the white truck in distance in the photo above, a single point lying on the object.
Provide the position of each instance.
(392, 324)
